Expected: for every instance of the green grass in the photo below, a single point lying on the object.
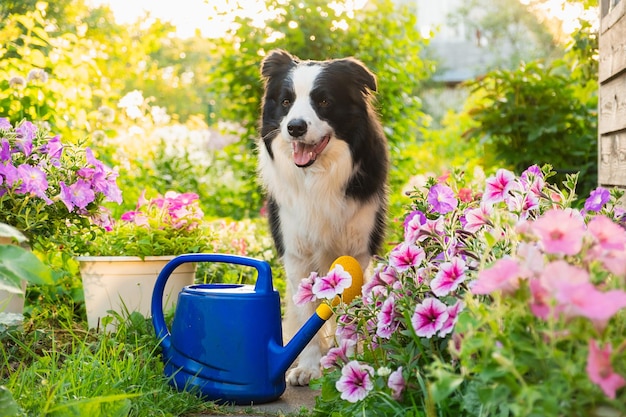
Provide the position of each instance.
(54, 367)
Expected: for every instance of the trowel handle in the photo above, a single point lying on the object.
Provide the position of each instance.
(263, 283)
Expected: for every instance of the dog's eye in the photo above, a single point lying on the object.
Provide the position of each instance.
(286, 102)
(323, 103)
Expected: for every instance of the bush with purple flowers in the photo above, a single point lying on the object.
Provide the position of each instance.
(502, 299)
(47, 186)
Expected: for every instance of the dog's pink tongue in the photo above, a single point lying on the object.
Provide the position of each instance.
(303, 154)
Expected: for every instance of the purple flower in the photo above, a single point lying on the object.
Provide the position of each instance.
(333, 284)
(396, 383)
(25, 135)
(5, 124)
(355, 382)
(442, 199)
(5, 150)
(449, 276)
(404, 256)
(54, 148)
(597, 199)
(78, 194)
(9, 172)
(33, 181)
(429, 317)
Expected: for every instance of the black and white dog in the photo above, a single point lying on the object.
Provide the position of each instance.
(323, 161)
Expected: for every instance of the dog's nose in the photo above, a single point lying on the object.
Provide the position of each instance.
(297, 127)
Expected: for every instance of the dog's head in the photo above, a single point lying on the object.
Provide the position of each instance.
(311, 103)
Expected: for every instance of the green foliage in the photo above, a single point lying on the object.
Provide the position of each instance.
(66, 371)
(532, 115)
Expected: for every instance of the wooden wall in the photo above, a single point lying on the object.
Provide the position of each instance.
(612, 98)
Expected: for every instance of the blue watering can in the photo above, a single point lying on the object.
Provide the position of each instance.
(226, 340)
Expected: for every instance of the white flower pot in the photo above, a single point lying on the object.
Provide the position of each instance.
(125, 283)
(11, 302)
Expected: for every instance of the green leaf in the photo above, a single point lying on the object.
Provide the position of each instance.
(11, 232)
(8, 406)
(18, 264)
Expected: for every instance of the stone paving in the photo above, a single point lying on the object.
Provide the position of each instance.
(290, 403)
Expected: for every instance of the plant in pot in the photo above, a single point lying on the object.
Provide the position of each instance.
(48, 187)
(119, 264)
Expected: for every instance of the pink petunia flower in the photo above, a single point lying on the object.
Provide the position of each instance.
(607, 233)
(429, 317)
(478, 217)
(346, 328)
(600, 370)
(498, 186)
(442, 199)
(431, 228)
(405, 256)
(340, 353)
(412, 224)
(532, 180)
(333, 284)
(503, 275)
(587, 301)
(560, 231)
(453, 317)
(387, 323)
(355, 381)
(397, 383)
(305, 294)
(449, 276)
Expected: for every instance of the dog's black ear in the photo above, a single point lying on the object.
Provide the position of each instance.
(360, 74)
(277, 62)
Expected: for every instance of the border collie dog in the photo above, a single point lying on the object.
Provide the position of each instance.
(323, 161)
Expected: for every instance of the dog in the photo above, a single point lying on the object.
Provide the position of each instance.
(323, 162)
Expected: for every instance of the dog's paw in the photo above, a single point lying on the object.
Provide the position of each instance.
(302, 375)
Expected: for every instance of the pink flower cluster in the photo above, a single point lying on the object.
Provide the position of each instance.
(172, 210)
(328, 287)
(573, 267)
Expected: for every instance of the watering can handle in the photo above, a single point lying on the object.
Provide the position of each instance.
(263, 284)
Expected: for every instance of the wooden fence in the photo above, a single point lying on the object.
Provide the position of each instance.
(612, 97)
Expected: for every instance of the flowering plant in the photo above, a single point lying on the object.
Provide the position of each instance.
(171, 224)
(426, 339)
(47, 186)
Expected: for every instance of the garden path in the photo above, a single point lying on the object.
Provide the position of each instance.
(290, 403)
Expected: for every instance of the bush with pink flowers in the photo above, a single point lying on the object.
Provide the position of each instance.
(502, 299)
(169, 224)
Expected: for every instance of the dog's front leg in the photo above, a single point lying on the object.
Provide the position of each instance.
(308, 366)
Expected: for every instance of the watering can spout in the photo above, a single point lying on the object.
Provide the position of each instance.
(281, 357)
